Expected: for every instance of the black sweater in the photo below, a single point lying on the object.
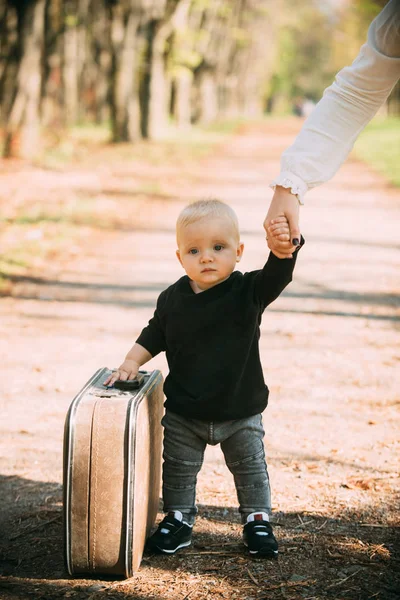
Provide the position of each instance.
(211, 342)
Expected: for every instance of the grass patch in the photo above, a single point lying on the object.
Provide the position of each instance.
(80, 142)
(41, 225)
(30, 248)
(379, 146)
(227, 126)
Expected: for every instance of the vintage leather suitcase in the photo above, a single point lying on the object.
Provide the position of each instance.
(112, 467)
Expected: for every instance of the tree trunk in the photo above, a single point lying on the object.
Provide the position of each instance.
(394, 101)
(208, 98)
(125, 110)
(158, 100)
(76, 21)
(144, 91)
(158, 89)
(70, 70)
(85, 62)
(52, 113)
(183, 93)
(24, 115)
(10, 58)
(229, 97)
(102, 51)
(4, 42)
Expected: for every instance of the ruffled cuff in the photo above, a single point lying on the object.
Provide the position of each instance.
(293, 182)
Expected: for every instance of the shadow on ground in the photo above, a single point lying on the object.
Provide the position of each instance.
(145, 296)
(320, 556)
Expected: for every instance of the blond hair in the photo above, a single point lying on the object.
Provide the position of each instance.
(206, 209)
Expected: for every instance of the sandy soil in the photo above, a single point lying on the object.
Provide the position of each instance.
(330, 348)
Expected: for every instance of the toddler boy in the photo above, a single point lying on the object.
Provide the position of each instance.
(208, 323)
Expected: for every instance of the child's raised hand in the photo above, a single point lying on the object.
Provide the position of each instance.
(127, 371)
(279, 229)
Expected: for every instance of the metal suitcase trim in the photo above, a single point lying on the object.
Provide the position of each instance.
(132, 408)
(153, 380)
(69, 459)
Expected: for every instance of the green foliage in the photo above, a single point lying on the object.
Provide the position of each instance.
(71, 20)
(241, 36)
(183, 54)
(366, 10)
(315, 41)
(225, 10)
(226, 126)
(202, 4)
(379, 146)
(351, 26)
(303, 55)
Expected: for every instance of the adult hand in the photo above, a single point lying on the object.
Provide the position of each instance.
(287, 204)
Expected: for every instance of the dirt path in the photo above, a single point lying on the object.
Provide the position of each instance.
(330, 347)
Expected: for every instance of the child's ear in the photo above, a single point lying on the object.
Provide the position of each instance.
(239, 251)
(178, 255)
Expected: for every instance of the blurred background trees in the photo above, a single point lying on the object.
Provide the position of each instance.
(141, 65)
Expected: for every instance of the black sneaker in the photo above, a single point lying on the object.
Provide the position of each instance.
(172, 533)
(258, 536)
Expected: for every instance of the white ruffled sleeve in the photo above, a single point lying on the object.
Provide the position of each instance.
(346, 107)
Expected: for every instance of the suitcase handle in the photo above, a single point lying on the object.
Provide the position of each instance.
(132, 384)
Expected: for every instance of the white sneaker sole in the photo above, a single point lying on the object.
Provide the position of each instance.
(271, 553)
(183, 545)
(266, 553)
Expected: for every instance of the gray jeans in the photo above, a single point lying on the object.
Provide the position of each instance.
(241, 440)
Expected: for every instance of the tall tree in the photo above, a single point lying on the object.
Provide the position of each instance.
(22, 118)
(156, 88)
(136, 63)
(125, 17)
(76, 22)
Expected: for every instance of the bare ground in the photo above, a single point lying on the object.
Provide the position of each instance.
(330, 347)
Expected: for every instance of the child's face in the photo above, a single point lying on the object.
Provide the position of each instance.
(208, 251)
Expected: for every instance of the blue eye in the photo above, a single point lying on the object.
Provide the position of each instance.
(218, 247)
(193, 251)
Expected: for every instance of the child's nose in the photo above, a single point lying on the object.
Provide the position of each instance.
(206, 257)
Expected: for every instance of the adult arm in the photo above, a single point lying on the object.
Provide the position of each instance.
(346, 107)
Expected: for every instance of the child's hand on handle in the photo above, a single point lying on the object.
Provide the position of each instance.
(127, 371)
(279, 230)
(136, 357)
